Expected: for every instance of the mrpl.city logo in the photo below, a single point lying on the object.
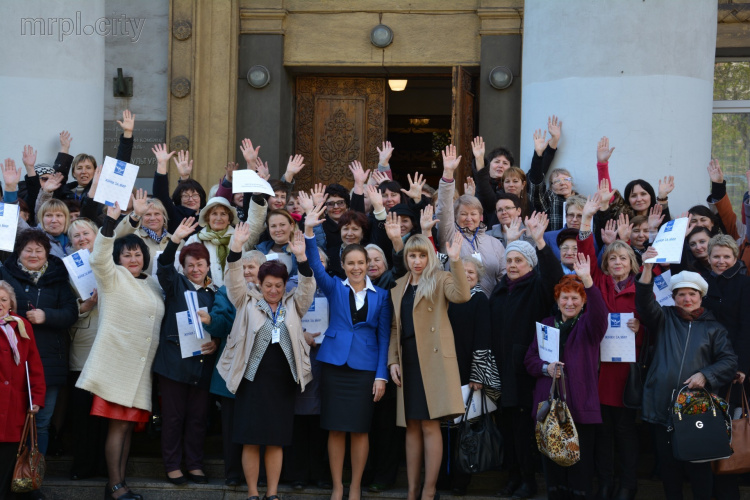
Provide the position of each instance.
(65, 27)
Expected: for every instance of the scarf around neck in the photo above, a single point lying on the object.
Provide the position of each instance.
(687, 315)
(11, 336)
(34, 275)
(152, 234)
(220, 239)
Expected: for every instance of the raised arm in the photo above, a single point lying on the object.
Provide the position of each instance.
(446, 188)
(456, 286)
(325, 282)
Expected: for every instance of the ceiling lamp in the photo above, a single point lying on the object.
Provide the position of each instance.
(397, 85)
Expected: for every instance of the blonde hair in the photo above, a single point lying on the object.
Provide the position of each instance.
(466, 200)
(81, 222)
(53, 205)
(4, 285)
(156, 202)
(723, 240)
(419, 243)
(615, 246)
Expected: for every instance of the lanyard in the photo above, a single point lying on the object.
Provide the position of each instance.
(473, 239)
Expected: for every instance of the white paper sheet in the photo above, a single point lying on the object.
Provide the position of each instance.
(192, 302)
(669, 242)
(116, 182)
(475, 405)
(548, 339)
(8, 226)
(661, 289)
(248, 181)
(316, 318)
(618, 344)
(190, 344)
(80, 273)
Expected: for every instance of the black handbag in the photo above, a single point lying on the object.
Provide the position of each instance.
(632, 395)
(480, 444)
(700, 437)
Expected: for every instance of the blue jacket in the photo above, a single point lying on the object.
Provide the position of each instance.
(363, 346)
(222, 319)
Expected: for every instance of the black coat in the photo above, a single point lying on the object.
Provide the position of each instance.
(728, 298)
(168, 362)
(682, 348)
(514, 315)
(470, 322)
(53, 295)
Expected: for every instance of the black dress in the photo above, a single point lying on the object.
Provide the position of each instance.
(346, 394)
(415, 401)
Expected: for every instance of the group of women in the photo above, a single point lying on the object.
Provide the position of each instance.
(315, 315)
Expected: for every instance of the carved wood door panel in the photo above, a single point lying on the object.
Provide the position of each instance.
(463, 120)
(338, 120)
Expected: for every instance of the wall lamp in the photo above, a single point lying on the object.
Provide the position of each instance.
(381, 36)
(501, 77)
(258, 76)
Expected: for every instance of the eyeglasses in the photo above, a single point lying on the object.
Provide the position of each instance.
(506, 210)
(574, 216)
(336, 204)
(568, 249)
(560, 180)
(194, 196)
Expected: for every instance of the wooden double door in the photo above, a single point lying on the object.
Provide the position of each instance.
(343, 119)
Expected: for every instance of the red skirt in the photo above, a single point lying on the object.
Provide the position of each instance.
(103, 408)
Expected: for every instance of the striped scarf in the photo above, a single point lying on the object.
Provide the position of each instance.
(152, 234)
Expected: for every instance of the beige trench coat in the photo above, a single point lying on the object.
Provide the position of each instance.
(435, 345)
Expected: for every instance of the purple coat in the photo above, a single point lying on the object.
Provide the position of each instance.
(581, 358)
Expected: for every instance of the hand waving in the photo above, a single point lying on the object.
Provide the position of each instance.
(184, 164)
(140, 202)
(29, 158)
(582, 267)
(11, 175)
(453, 249)
(450, 161)
(540, 141)
(384, 153)
(127, 123)
(185, 229)
(241, 236)
(603, 152)
(65, 140)
(554, 125)
(477, 148)
(714, 171)
(415, 187)
(250, 154)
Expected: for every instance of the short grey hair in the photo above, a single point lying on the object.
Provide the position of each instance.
(256, 256)
(373, 246)
(467, 200)
(481, 271)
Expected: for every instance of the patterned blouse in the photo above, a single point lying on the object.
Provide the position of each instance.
(263, 340)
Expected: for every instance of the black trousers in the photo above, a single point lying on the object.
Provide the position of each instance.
(450, 474)
(386, 441)
(89, 433)
(232, 450)
(7, 463)
(617, 436)
(575, 481)
(674, 471)
(517, 428)
(306, 460)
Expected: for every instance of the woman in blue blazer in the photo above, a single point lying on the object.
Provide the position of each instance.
(353, 355)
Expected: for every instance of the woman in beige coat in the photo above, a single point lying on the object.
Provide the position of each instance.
(422, 354)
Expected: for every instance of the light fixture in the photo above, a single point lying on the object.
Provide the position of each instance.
(419, 122)
(501, 77)
(381, 36)
(258, 76)
(397, 85)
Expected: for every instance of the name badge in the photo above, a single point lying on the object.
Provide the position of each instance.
(477, 256)
(275, 335)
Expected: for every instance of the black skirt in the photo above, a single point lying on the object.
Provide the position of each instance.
(415, 401)
(346, 398)
(264, 408)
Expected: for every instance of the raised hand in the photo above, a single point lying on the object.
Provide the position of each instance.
(52, 183)
(262, 169)
(470, 187)
(376, 198)
(114, 211)
(427, 220)
(29, 159)
(384, 153)
(306, 202)
(603, 152)
(415, 187)
(477, 148)
(185, 229)
(359, 175)
(605, 194)
(554, 125)
(666, 186)
(229, 170)
(392, 227)
(582, 267)
(514, 231)
(450, 161)
(379, 177)
(624, 227)
(540, 141)
(318, 193)
(453, 249)
(314, 218)
(140, 202)
(293, 167)
(162, 155)
(592, 205)
(297, 246)
(714, 171)
(11, 175)
(65, 140)
(184, 164)
(127, 123)
(536, 225)
(250, 154)
(240, 237)
(655, 217)
(609, 232)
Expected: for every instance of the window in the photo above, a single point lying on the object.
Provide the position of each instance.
(731, 125)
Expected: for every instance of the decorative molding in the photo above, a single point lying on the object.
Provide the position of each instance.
(180, 87)
(182, 30)
(500, 21)
(734, 13)
(262, 21)
(179, 143)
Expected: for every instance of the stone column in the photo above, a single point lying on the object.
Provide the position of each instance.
(640, 73)
(52, 77)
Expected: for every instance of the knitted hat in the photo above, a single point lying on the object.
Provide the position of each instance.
(689, 279)
(525, 249)
(213, 202)
(43, 169)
